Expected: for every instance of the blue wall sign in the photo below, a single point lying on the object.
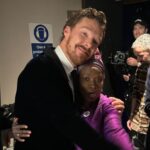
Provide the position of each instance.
(41, 33)
(40, 37)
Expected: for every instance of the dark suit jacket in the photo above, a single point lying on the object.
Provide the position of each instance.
(44, 102)
(147, 110)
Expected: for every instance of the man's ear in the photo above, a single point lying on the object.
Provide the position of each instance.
(67, 31)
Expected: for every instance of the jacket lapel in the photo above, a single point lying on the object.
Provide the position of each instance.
(52, 55)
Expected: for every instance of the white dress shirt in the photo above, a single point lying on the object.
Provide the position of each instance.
(66, 64)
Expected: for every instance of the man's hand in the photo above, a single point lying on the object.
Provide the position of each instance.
(132, 61)
(20, 131)
(126, 77)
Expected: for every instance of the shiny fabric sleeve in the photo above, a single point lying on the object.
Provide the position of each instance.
(112, 127)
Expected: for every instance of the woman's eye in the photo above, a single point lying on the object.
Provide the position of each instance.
(86, 79)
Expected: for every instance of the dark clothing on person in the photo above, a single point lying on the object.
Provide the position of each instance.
(139, 81)
(44, 101)
(130, 70)
(139, 140)
(147, 110)
(128, 87)
(4, 124)
(148, 139)
(139, 119)
(147, 102)
(6, 116)
(147, 106)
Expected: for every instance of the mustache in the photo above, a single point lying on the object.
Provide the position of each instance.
(86, 50)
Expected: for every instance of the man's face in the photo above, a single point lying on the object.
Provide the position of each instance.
(91, 82)
(81, 41)
(142, 55)
(138, 30)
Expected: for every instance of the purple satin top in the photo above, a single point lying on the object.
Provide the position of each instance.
(105, 119)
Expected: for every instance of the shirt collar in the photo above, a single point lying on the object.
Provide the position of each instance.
(65, 62)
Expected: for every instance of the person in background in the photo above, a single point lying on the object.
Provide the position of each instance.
(6, 119)
(46, 98)
(139, 27)
(145, 55)
(139, 121)
(6, 116)
(96, 108)
(147, 101)
(5, 123)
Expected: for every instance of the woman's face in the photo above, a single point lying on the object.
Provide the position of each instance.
(91, 82)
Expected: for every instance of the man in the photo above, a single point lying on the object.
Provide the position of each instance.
(139, 121)
(147, 101)
(139, 27)
(145, 55)
(45, 99)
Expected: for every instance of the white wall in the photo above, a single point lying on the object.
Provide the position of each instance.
(15, 47)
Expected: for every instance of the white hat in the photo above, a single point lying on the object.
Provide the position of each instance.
(141, 22)
(143, 41)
